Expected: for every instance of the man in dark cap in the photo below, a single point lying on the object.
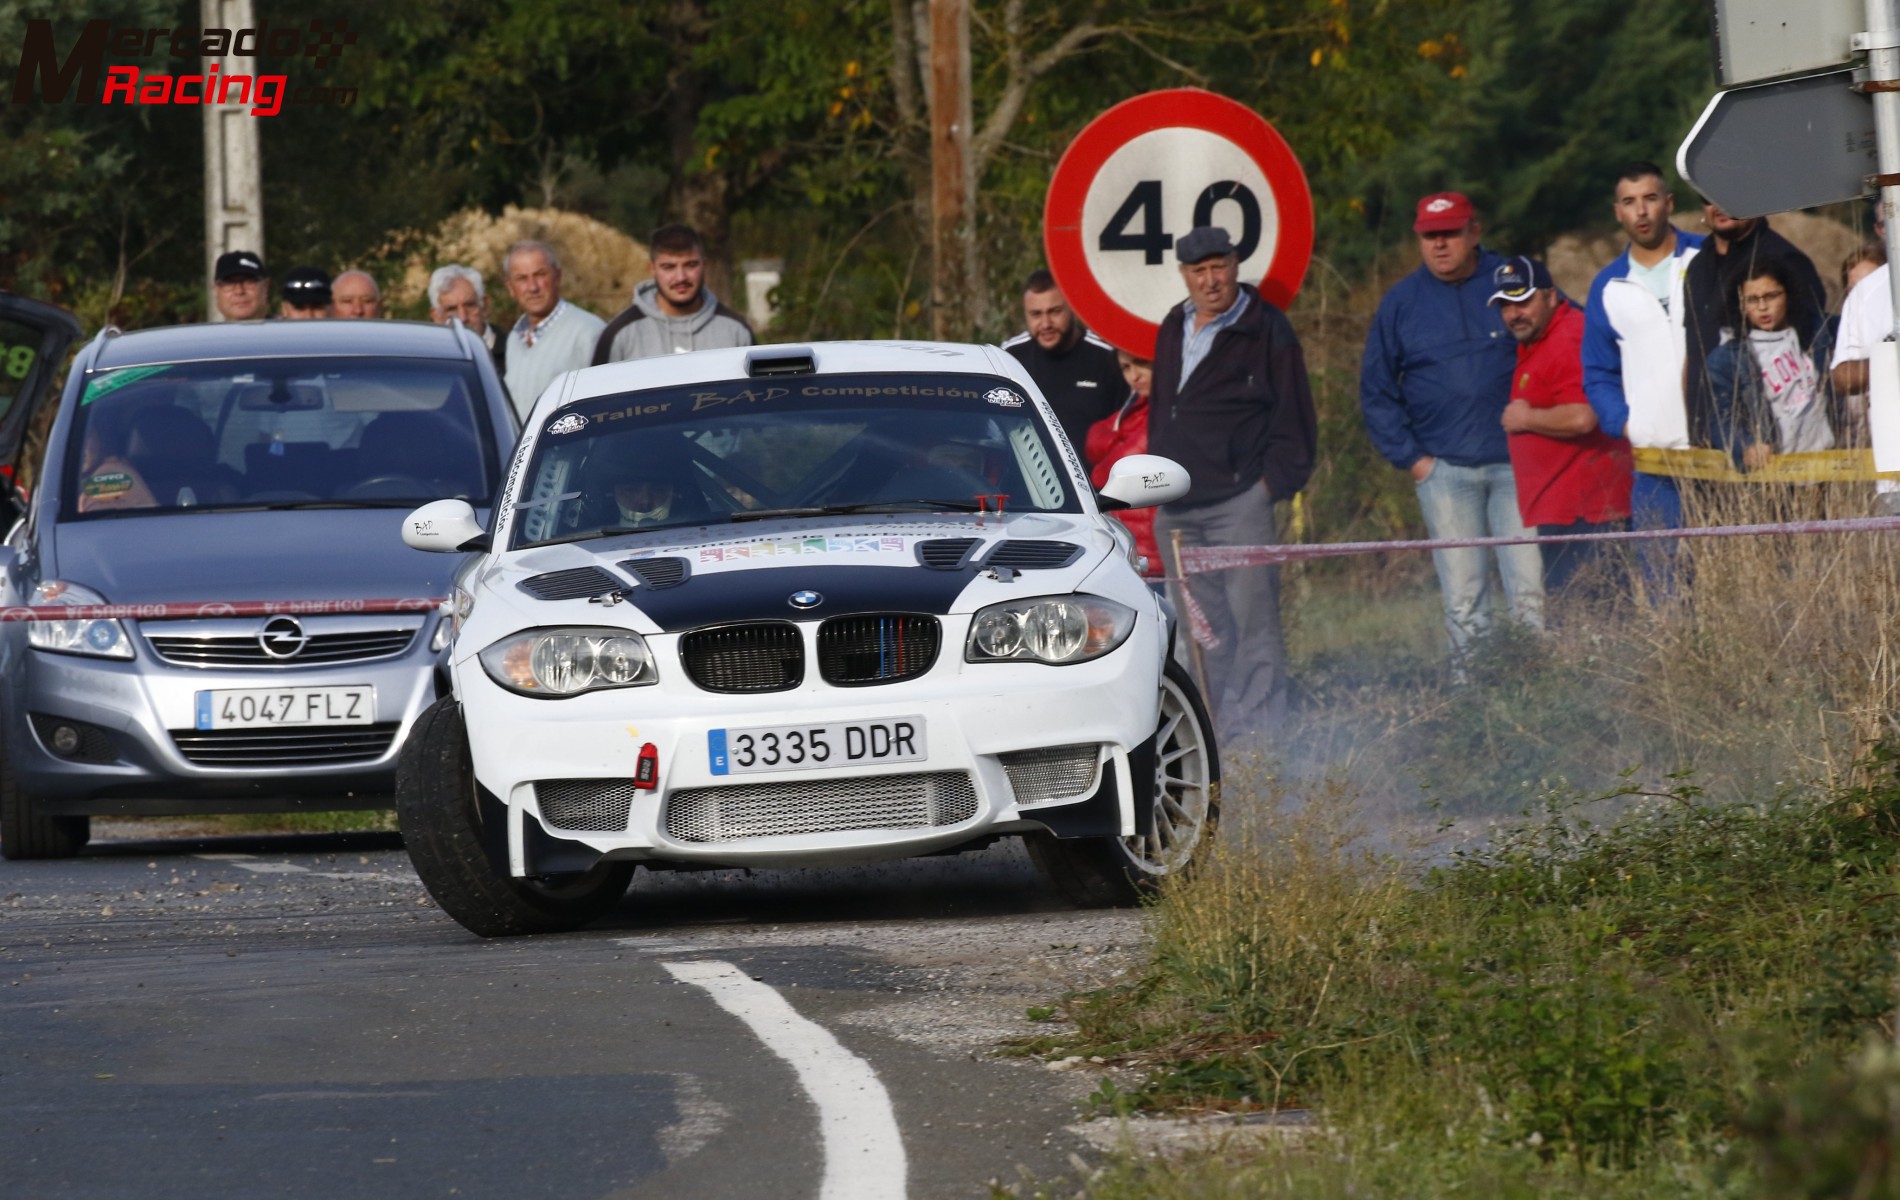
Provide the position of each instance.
(1231, 403)
(240, 286)
(1433, 385)
(306, 295)
(1571, 476)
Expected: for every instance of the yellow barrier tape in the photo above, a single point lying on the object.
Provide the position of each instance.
(1298, 531)
(1817, 466)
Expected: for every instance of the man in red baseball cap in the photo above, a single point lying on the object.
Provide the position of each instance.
(1433, 385)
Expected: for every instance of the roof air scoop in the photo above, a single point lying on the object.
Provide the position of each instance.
(780, 360)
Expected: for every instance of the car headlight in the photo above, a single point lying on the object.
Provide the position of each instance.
(1050, 629)
(552, 663)
(99, 639)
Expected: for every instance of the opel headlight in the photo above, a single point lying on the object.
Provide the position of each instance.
(1051, 629)
(552, 663)
(98, 639)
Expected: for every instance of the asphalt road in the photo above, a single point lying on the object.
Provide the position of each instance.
(290, 1016)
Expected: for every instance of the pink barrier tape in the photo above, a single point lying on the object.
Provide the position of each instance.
(231, 608)
(1199, 560)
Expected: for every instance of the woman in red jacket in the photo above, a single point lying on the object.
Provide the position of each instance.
(1119, 435)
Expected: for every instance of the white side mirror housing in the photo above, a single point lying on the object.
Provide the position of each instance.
(1143, 481)
(445, 527)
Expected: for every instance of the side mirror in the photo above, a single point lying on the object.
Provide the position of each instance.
(445, 527)
(1143, 481)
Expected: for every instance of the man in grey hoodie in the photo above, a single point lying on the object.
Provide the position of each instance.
(673, 312)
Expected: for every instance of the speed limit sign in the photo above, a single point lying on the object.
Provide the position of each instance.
(1146, 172)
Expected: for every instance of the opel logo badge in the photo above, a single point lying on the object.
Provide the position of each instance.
(806, 600)
(282, 637)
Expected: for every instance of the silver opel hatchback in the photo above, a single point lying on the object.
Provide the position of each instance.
(240, 485)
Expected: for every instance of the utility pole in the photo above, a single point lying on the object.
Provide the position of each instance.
(234, 188)
(951, 238)
(1882, 43)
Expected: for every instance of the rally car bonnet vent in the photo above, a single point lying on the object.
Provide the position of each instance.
(780, 360)
(766, 656)
(575, 584)
(1033, 556)
(658, 572)
(858, 651)
(946, 554)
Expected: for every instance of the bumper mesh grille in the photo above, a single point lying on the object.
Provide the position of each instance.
(761, 810)
(766, 657)
(854, 651)
(308, 746)
(586, 805)
(93, 745)
(1050, 773)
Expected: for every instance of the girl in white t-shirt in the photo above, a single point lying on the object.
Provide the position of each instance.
(1772, 394)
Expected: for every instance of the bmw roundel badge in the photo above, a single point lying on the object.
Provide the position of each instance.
(805, 600)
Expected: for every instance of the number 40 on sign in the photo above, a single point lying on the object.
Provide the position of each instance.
(1147, 171)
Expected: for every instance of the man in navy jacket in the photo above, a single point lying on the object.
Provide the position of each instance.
(1433, 386)
(1232, 404)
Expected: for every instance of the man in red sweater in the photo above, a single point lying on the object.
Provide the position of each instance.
(1571, 476)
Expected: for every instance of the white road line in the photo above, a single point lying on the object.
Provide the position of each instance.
(864, 1152)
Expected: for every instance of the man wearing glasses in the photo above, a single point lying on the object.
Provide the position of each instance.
(240, 287)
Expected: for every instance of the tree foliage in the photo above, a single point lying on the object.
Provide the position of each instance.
(798, 130)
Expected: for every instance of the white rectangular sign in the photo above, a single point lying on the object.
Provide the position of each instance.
(1767, 39)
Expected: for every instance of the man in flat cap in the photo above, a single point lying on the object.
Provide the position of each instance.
(1432, 385)
(1231, 404)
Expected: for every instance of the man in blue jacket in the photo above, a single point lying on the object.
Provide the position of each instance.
(1433, 386)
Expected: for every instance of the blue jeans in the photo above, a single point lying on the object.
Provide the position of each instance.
(1474, 502)
(1656, 503)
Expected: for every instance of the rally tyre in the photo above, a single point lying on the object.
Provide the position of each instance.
(1098, 872)
(441, 826)
(27, 833)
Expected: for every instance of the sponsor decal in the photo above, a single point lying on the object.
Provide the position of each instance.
(795, 546)
(107, 484)
(106, 383)
(571, 423)
(42, 76)
(1003, 398)
(749, 395)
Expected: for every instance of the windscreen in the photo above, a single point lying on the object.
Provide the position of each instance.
(278, 433)
(815, 445)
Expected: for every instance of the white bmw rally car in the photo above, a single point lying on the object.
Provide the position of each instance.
(799, 606)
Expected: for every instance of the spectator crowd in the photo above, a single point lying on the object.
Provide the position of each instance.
(672, 313)
(1512, 407)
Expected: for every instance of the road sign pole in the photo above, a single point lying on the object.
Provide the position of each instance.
(1883, 71)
